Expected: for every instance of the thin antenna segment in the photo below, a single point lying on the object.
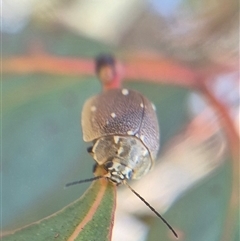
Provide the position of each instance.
(142, 199)
(85, 180)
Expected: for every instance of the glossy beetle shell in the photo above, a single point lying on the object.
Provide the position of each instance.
(121, 112)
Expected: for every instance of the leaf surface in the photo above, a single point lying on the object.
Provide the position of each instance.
(88, 218)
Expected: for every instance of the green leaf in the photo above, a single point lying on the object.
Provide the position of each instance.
(88, 218)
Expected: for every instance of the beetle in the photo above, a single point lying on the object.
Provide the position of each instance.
(123, 127)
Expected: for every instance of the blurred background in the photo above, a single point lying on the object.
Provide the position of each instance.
(182, 54)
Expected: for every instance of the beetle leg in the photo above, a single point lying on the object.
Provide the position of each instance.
(90, 150)
(94, 167)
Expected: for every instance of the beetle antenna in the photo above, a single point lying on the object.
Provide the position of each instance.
(152, 209)
(85, 180)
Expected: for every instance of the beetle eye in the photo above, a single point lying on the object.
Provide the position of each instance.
(109, 164)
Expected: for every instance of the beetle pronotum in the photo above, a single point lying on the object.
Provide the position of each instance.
(123, 128)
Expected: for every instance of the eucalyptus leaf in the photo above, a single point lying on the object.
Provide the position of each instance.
(88, 218)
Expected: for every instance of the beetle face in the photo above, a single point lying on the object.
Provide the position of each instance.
(124, 157)
(123, 127)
